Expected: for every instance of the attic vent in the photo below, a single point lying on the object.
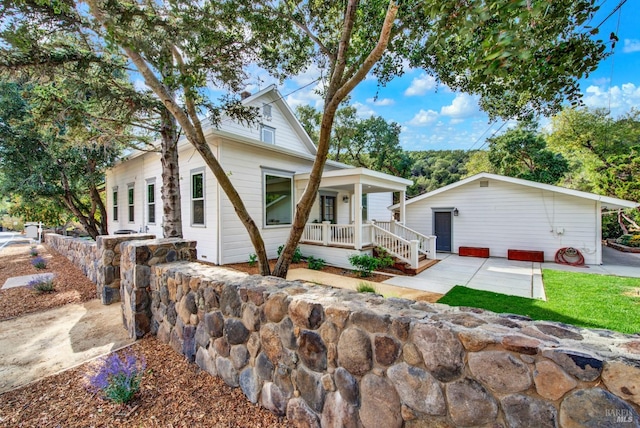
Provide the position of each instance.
(484, 183)
(266, 111)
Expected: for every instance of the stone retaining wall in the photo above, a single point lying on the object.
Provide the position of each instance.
(329, 357)
(99, 260)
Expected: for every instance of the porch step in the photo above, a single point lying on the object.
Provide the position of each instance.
(423, 264)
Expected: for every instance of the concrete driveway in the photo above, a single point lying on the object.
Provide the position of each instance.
(504, 276)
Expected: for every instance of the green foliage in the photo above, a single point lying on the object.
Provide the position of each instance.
(33, 251)
(610, 227)
(39, 263)
(253, 259)
(315, 263)
(118, 379)
(384, 258)
(629, 240)
(297, 254)
(364, 264)
(478, 162)
(41, 285)
(432, 169)
(365, 287)
(587, 300)
(522, 153)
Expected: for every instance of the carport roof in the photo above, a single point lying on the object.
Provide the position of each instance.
(607, 202)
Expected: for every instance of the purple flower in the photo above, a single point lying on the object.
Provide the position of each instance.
(118, 378)
(39, 263)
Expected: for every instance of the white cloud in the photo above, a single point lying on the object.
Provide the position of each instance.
(363, 110)
(631, 45)
(619, 98)
(461, 107)
(139, 85)
(307, 96)
(421, 85)
(424, 118)
(381, 102)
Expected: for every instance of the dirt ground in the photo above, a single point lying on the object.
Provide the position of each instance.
(43, 343)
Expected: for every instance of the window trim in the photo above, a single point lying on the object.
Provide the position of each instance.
(131, 206)
(151, 182)
(264, 128)
(192, 173)
(114, 199)
(281, 174)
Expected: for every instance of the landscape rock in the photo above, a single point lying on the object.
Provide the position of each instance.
(273, 398)
(441, 351)
(214, 323)
(354, 351)
(230, 302)
(347, 386)
(239, 356)
(276, 307)
(596, 408)
(250, 384)
(411, 354)
(371, 321)
(310, 386)
(623, 380)
(337, 412)
(235, 332)
(386, 349)
(523, 411)
(306, 314)
(417, 389)
(551, 381)
(264, 367)
(470, 404)
(226, 371)
(380, 403)
(583, 366)
(300, 414)
(500, 371)
(313, 351)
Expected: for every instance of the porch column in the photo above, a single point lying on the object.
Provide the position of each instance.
(403, 195)
(357, 234)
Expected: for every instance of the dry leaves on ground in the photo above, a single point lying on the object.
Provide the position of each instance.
(173, 393)
(70, 283)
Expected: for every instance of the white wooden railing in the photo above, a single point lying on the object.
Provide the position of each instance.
(426, 243)
(407, 251)
(400, 241)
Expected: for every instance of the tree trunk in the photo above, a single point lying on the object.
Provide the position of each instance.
(170, 190)
(339, 88)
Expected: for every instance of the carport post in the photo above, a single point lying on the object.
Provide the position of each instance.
(403, 195)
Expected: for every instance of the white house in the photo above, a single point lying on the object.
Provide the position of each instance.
(269, 165)
(502, 213)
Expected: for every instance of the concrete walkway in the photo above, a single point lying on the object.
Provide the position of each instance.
(504, 276)
(41, 344)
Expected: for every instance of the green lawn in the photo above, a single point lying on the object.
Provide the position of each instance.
(588, 300)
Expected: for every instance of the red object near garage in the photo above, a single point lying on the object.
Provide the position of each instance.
(474, 252)
(526, 255)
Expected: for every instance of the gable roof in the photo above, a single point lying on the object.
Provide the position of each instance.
(287, 113)
(607, 202)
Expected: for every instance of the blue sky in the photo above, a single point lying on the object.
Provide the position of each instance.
(435, 118)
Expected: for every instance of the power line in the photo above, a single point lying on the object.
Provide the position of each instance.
(493, 135)
(613, 59)
(611, 14)
(482, 135)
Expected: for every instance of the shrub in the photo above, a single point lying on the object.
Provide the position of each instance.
(253, 259)
(315, 264)
(41, 284)
(33, 251)
(364, 264)
(39, 263)
(297, 254)
(385, 259)
(118, 379)
(629, 240)
(365, 287)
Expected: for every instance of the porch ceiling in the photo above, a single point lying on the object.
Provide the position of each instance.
(346, 179)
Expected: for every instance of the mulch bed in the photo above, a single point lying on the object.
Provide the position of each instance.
(70, 283)
(376, 277)
(173, 393)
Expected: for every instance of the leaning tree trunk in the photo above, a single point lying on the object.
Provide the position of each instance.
(170, 191)
(339, 88)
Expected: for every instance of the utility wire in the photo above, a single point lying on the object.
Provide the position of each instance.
(613, 59)
(611, 14)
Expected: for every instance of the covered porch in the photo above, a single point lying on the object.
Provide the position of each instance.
(351, 212)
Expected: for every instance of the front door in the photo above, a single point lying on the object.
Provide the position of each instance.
(442, 229)
(328, 208)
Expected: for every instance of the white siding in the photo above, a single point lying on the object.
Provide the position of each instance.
(506, 216)
(245, 171)
(332, 255)
(377, 206)
(285, 136)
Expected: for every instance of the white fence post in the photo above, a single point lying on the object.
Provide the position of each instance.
(432, 247)
(414, 253)
(325, 232)
(373, 232)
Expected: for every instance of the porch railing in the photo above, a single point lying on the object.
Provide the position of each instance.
(329, 234)
(426, 243)
(407, 251)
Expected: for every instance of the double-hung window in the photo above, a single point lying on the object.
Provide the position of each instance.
(130, 202)
(151, 201)
(197, 197)
(115, 203)
(278, 197)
